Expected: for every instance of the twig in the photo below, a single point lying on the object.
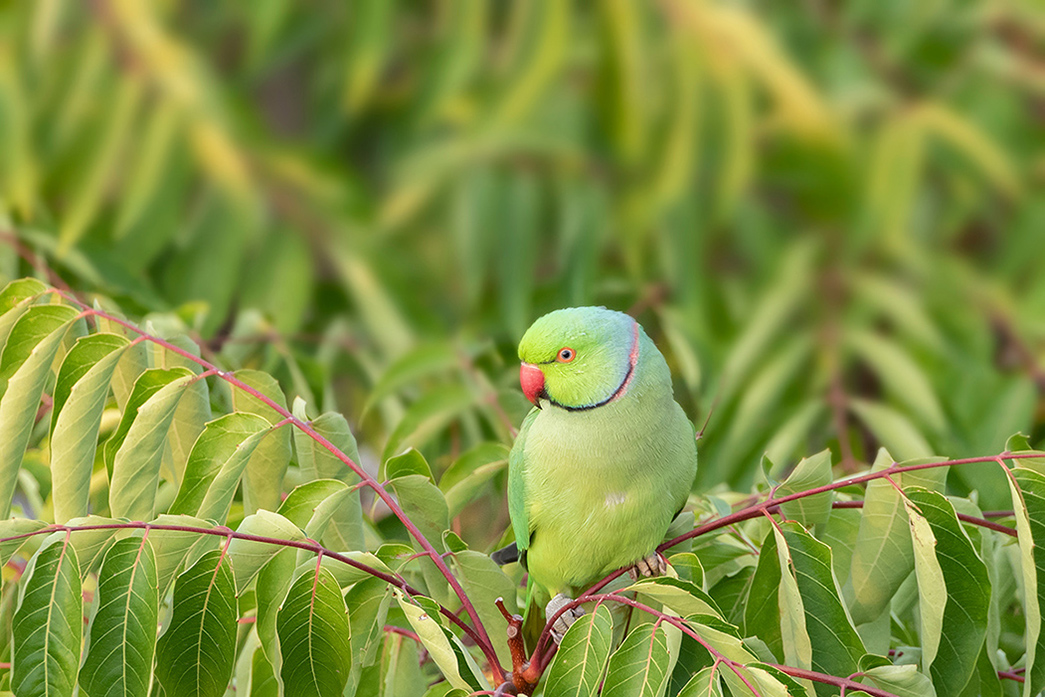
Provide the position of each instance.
(481, 637)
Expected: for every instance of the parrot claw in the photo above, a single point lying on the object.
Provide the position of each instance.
(653, 565)
(565, 619)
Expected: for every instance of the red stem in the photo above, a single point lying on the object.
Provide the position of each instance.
(392, 629)
(756, 510)
(483, 640)
(771, 504)
(982, 522)
(844, 683)
(233, 534)
(1006, 675)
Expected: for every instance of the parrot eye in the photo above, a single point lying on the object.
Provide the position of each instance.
(565, 355)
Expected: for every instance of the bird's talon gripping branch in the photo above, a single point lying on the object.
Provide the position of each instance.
(566, 619)
(647, 567)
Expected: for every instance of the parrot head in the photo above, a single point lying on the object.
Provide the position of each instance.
(579, 358)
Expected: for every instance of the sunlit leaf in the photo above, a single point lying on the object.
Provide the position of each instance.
(83, 387)
(195, 655)
(639, 666)
(25, 367)
(136, 464)
(263, 479)
(123, 630)
(968, 589)
(314, 637)
(48, 623)
(216, 463)
(581, 659)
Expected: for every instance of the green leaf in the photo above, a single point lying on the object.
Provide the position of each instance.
(84, 354)
(1030, 522)
(882, 554)
(794, 634)
(249, 556)
(29, 331)
(435, 639)
(428, 416)
(172, 547)
(145, 386)
(90, 545)
(345, 529)
(639, 666)
(136, 465)
(190, 418)
(263, 480)
(985, 681)
(300, 504)
(902, 681)
(1018, 443)
(484, 582)
(83, 389)
(810, 473)
(424, 505)
(401, 667)
(254, 673)
(13, 527)
(892, 429)
(932, 587)
(272, 587)
(771, 607)
(968, 591)
(680, 595)
(18, 291)
(123, 631)
(705, 683)
(367, 602)
(423, 361)
(901, 376)
(837, 647)
(411, 461)
(314, 637)
(216, 463)
(463, 480)
(25, 373)
(581, 659)
(15, 300)
(195, 655)
(47, 623)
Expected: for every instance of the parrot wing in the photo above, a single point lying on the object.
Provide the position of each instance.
(517, 507)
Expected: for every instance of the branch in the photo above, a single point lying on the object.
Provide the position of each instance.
(230, 534)
(982, 522)
(843, 683)
(771, 504)
(482, 639)
(756, 510)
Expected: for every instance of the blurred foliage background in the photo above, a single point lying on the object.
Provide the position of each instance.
(828, 214)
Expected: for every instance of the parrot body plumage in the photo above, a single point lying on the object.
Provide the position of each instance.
(606, 459)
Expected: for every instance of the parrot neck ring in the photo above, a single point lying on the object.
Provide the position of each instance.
(537, 392)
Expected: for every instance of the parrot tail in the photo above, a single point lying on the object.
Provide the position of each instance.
(506, 555)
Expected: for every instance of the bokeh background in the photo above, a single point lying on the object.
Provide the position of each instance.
(828, 214)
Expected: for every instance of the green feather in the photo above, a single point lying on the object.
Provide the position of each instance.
(517, 486)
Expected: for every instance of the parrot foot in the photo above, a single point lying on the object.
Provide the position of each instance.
(652, 565)
(565, 619)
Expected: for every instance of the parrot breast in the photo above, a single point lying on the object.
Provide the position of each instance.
(603, 484)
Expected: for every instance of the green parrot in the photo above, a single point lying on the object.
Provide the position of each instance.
(605, 459)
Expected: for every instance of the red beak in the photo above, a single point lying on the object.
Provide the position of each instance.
(532, 380)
